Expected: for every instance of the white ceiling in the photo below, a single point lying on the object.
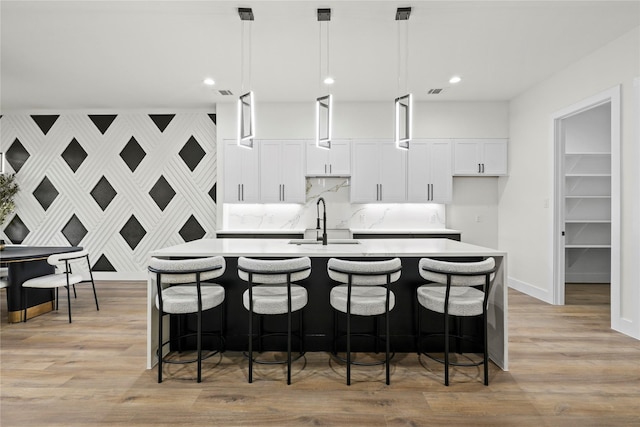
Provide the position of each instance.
(91, 54)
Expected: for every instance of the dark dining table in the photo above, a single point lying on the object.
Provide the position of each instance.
(24, 263)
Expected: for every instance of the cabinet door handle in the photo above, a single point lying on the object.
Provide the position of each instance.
(325, 168)
(431, 192)
(479, 171)
(243, 192)
(483, 168)
(283, 192)
(239, 192)
(330, 168)
(380, 192)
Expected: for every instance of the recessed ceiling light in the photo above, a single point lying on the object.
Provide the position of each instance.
(455, 79)
(209, 81)
(329, 80)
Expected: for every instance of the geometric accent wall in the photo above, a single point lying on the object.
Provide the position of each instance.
(120, 185)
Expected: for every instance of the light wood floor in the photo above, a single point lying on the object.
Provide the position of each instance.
(567, 369)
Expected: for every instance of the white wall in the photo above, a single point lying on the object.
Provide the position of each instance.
(472, 196)
(526, 205)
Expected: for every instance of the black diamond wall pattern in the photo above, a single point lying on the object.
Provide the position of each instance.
(74, 154)
(119, 185)
(45, 122)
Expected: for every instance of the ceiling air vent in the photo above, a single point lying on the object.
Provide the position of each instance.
(434, 91)
(225, 92)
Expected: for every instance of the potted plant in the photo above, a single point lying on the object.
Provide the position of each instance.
(8, 189)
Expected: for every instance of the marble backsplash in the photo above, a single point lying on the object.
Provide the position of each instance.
(341, 214)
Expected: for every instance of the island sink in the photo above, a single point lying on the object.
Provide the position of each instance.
(329, 242)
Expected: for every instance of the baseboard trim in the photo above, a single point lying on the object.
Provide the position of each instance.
(526, 288)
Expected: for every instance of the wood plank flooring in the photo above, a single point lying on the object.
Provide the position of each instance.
(568, 368)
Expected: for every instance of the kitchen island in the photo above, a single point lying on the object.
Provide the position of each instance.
(318, 320)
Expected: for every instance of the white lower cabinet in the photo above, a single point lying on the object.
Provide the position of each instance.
(429, 171)
(282, 171)
(379, 173)
(241, 174)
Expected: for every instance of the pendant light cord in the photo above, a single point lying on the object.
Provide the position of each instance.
(403, 77)
(242, 56)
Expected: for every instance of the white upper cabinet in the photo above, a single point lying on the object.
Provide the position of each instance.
(282, 172)
(429, 171)
(379, 173)
(333, 162)
(480, 157)
(241, 173)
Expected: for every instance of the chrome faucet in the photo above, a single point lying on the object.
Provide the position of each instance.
(324, 220)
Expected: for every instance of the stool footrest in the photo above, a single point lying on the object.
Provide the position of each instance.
(273, 362)
(481, 362)
(210, 353)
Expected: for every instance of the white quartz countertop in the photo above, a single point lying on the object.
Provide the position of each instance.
(366, 248)
(396, 231)
(262, 231)
(352, 230)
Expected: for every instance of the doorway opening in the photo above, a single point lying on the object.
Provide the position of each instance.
(587, 200)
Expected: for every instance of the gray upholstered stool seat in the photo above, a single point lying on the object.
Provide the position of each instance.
(63, 277)
(365, 300)
(463, 301)
(271, 291)
(184, 299)
(365, 292)
(180, 290)
(4, 272)
(458, 297)
(272, 299)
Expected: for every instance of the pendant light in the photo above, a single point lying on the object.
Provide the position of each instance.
(246, 102)
(324, 104)
(403, 103)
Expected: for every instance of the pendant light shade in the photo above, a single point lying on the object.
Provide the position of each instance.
(324, 104)
(403, 106)
(246, 103)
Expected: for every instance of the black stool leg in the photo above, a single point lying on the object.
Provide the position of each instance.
(486, 350)
(289, 347)
(348, 348)
(69, 302)
(160, 317)
(251, 345)
(199, 345)
(388, 339)
(446, 349)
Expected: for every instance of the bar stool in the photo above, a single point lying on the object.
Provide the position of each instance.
(63, 277)
(458, 298)
(275, 293)
(180, 291)
(366, 293)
